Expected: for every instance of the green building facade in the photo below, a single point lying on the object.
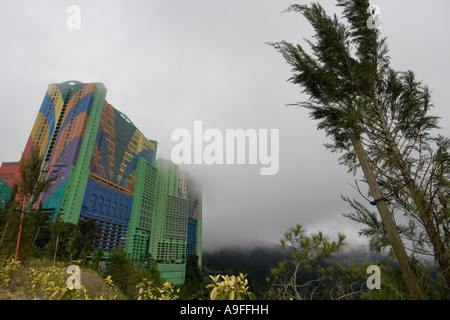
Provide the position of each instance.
(169, 232)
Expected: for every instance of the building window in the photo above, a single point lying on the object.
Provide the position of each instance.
(99, 204)
(107, 205)
(92, 202)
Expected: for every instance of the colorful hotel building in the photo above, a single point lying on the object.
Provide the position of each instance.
(106, 170)
(9, 172)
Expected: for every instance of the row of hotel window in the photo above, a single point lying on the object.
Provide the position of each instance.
(108, 207)
(104, 217)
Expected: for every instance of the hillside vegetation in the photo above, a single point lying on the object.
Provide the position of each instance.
(41, 280)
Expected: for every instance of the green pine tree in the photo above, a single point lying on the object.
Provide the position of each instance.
(378, 119)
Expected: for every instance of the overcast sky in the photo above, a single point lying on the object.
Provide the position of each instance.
(168, 63)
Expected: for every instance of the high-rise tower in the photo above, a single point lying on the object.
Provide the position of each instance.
(93, 150)
(105, 169)
(169, 227)
(176, 223)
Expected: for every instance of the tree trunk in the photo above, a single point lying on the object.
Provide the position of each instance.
(35, 236)
(423, 206)
(56, 249)
(4, 232)
(22, 210)
(388, 222)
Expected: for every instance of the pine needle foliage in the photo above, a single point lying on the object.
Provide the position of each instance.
(355, 95)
